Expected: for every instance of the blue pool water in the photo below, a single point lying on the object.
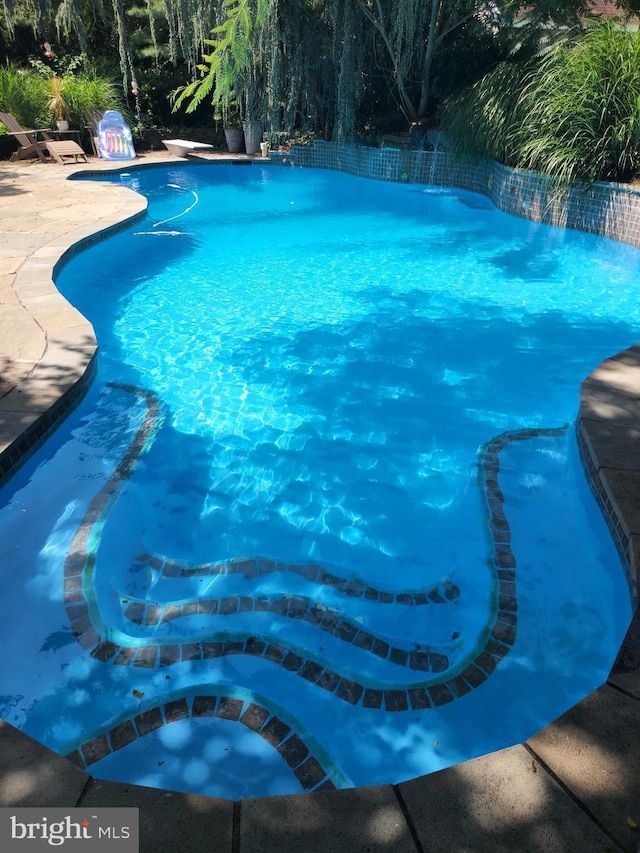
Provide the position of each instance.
(320, 519)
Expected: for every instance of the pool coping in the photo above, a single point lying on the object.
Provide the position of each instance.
(538, 789)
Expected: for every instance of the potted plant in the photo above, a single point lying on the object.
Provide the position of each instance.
(58, 104)
(232, 124)
(248, 89)
(241, 134)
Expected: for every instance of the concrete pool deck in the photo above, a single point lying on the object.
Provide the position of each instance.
(573, 786)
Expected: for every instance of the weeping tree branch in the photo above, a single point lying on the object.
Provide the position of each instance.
(123, 43)
(298, 58)
(226, 72)
(69, 19)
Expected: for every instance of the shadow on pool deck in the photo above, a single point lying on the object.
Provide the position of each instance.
(574, 786)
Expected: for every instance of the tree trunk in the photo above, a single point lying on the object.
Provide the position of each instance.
(436, 8)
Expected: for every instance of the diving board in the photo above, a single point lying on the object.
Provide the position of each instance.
(182, 147)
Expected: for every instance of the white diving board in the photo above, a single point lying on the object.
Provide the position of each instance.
(182, 147)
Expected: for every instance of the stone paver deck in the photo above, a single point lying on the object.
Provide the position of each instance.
(574, 786)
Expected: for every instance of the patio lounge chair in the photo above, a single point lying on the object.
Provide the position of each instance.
(65, 151)
(93, 118)
(30, 145)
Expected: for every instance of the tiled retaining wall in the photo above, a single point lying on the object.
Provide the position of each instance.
(610, 210)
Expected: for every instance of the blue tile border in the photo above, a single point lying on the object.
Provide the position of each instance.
(609, 210)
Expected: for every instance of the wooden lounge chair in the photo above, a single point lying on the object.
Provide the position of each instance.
(93, 119)
(30, 145)
(65, 151)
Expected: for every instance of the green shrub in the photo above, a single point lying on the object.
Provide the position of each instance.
(91, 91)
(24, 95)
(573, 113)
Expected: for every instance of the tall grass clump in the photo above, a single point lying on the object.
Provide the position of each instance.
(24, 95)
(28, 95)
(572, 113)
(91, 90)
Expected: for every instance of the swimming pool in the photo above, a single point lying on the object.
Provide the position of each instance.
(323, 512)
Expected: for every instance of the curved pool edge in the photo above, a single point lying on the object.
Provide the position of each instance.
(547, 772)
(608, 429)
(47, 347)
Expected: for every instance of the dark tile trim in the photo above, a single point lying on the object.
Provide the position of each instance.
(441, 687)
(306, 766)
